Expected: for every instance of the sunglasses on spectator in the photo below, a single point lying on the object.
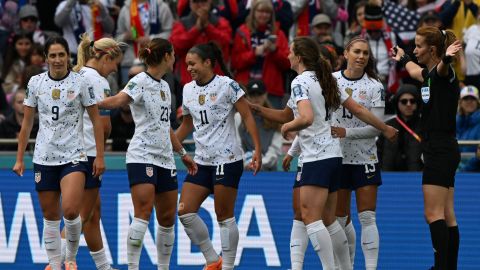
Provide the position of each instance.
(469, 98)
(32, 19)
(408, 100)
(199, 1)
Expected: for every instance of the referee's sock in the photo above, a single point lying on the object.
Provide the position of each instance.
(298, 244)
(340, 245)
(51, 238)
(453, 244)
(322, 244)
(439, 234)
(73, 230)
(370, 238)
(136, 233)
(197, 231)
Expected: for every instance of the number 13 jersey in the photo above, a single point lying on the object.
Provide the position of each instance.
(212, 109)
(60, 108)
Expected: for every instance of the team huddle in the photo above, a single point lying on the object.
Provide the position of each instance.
(334, 119)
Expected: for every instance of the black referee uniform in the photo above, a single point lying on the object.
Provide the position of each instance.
(440, 148)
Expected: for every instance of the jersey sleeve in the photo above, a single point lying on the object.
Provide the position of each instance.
(87, 95)
(299, 92)
(31, 93)
(103, 92)
(235, 92)
(185, 110)
(378, 96)
(133, 90)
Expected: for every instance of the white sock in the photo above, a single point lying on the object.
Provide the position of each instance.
(198, 233)
(352, 240)
(136, 232)
(370, 239)
(165, 240)
(64, 248)
(298, 244)
(229, 237)
(73, 230)
(51, 238)
(340, 246)
(322, 244)
(100, 259)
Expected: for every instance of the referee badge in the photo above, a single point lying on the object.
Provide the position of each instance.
(149, 171)
(162, 94)
(425, 94)
(55, 94)
(38, 176)
(201, 99)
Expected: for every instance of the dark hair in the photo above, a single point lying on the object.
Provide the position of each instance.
(440, 39)
(212, 52)
(56, 40)
(37, 48)
(154, 53)
(328, 53)
(308, 50)
(11, 54)
(28, 73)
(371, 66)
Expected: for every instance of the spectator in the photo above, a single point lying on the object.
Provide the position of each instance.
(322, 32)
(199, 26)
(472, 54)
(358, 19)
(28, 16)
(404, 154)
(28, 73)
(260, 51)
(468, 124)
(17, 58)
(37, 58)
(229, 9)
(10, 127)
(139, 22)
(305, 10)
(7, 24)
(269, 131)
(76, 17)
(4, 107)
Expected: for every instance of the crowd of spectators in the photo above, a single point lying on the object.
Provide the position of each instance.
(254, 37)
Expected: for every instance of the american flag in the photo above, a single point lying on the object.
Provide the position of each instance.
(401, 20)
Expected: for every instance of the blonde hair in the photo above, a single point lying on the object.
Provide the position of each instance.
(250, 20)
(88, 49)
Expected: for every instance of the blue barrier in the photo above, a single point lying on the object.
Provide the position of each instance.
(264, 217)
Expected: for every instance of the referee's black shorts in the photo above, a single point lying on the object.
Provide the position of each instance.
(441, 157)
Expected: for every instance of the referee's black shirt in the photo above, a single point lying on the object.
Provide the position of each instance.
(440, 100)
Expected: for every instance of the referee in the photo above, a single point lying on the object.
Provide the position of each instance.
(435, 49)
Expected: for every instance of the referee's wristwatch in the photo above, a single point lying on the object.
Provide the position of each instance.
(182, 152)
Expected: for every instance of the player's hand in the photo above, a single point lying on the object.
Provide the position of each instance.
(390, 133)
(454, 48)
(98, 166)
(19, 168)
(338, 132)
(192, 167)
(255, 108)
(286, 162)
(397, 53)
(256, 163)
(286, 134)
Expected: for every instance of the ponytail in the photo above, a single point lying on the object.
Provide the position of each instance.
(212, 52)
(219, 57)
(84, 51)
(440, 39)
(88, 49)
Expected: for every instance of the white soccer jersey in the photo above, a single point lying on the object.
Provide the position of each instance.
(212, 109)
(60, 107)
(101, 88)
(150, 106)
(368, 93)
(472, 49)
(316, 141)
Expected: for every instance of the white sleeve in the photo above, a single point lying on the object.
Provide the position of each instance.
(378, 98)
(299, 92)
(295, 150)
(88, 95)
(133, 91)
(367, 131)
(235, 92)
(31, 93)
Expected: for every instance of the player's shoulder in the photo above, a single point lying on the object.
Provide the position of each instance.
(38, 78)
(337, 74)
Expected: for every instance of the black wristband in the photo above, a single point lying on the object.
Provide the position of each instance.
(405, 59)
(447, 59)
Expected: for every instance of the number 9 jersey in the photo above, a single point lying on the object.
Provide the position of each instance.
(212, 109)
(60, 107)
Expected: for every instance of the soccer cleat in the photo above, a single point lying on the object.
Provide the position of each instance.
(214, 266)
(70, 266)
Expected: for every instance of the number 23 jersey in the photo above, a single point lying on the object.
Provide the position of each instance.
(60, 107)
(212, 109)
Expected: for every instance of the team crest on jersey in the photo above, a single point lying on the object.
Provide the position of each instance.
(162, 94)
(149, 171)
(201, 99)
(38, 176)
(70, 94)
(55, 94)
(213, 97)
(349, 91)
(425, 94)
